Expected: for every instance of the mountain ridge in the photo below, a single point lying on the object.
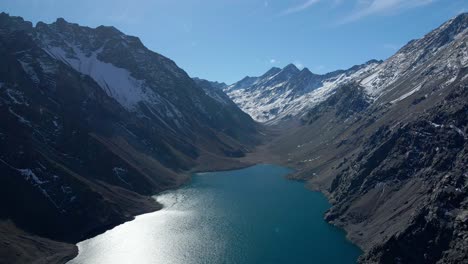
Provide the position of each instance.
(92, 124)
(385, 141)
(282, 94)
(390, 154)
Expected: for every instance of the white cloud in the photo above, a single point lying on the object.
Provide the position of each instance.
(299, 8)
(378, 7)
(272, 61)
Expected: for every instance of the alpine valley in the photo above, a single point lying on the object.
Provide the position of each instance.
(92, 123)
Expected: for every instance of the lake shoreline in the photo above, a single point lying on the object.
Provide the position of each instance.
(250, 160)
(234, 180)
(67, 255)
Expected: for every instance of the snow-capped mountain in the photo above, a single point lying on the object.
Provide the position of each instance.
(280, 94)
(91, 121)
(390, 149)
(439, 55)
(140, 80)
(289, 92)
(214, 90)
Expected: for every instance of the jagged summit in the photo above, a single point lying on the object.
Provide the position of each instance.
(290, 92)
(291, 68)
(284, 93)
(306, 71)
(14, 23)
(61, 21)
(272, 71)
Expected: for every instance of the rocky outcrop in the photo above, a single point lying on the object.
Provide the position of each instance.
(411, 179)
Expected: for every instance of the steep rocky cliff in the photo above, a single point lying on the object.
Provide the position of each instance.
(91, 123)
(390, 152)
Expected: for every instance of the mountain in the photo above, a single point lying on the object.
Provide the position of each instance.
(215, 91)
(91, 123)
(389, 149)
(439, 55)
(282, 94)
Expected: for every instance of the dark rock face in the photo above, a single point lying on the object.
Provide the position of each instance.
(430, 151)
(390, 151)
(348, 100)
(91, 123)
(236, 116)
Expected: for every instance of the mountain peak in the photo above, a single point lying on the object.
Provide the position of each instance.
(60, 21)
(8, 22)
(457, 24)
(291, 67)
(276, 69)
(109, 29)
(306, 70)
(271, 72)
(62, 24)
(460, 17)
(372, 61)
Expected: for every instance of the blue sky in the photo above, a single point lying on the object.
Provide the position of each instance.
(225, 40)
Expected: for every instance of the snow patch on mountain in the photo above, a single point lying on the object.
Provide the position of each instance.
(435, 60)
(407, 94)
(30, 71)
(443, 51)
(21, 119)
(283, 93)
(116, 82)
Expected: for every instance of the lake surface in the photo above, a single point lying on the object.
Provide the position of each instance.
(252, 215)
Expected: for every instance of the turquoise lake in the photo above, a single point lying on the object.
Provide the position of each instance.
(252, 215)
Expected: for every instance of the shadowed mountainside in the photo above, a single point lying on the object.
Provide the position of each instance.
(92, 122)
(390, 151)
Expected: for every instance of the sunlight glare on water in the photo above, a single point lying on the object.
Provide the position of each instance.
(252, 215)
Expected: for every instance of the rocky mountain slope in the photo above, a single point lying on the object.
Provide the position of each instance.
(92, 122)
(215, 91)
(390, 151)
(282, 94)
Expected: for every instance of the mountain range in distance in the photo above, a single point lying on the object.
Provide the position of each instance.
(93, 123)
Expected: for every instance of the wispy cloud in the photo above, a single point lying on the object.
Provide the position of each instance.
(299, 8)
(367, 8)
(272, 61)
